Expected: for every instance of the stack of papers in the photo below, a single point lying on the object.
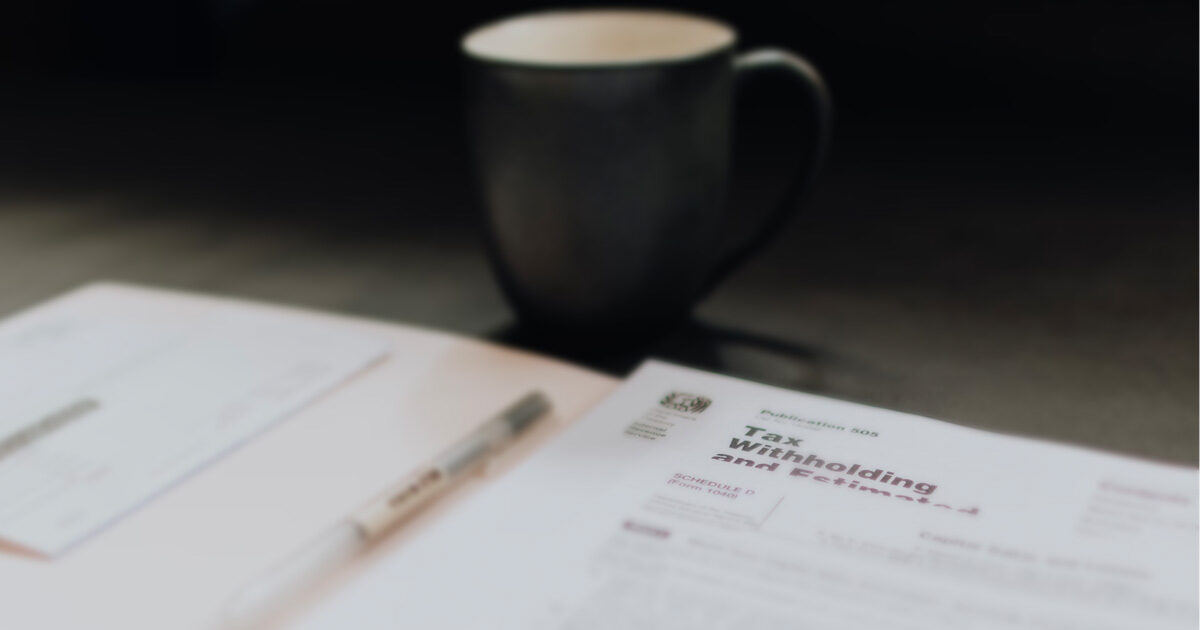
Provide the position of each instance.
(139, 483)
(689, 500)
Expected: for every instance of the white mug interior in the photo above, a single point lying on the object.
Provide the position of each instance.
(598, 37)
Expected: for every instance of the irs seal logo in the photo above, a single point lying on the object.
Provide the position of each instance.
(687, 403)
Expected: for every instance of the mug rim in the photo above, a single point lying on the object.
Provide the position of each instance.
(610, 64)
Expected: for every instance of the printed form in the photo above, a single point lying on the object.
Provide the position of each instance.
(690, 500)
(108, 396)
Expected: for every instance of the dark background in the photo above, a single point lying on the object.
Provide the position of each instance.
(1017, 93)
(1005, 233)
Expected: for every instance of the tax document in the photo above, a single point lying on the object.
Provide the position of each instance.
(688, 500)
(109, 396)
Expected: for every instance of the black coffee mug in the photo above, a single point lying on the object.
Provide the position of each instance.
(602, 145)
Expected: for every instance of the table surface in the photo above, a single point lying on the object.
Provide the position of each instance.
(1037, 291)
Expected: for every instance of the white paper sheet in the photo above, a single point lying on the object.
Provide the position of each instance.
(105, 402)
(689, 500)
(176, 561)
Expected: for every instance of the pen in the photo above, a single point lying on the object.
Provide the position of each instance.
(368, 524)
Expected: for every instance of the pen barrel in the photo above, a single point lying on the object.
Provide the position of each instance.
(470, 453)
(392, 507)
(457, 462)
(399, 501)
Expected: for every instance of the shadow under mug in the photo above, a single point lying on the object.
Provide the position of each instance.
(602, 146)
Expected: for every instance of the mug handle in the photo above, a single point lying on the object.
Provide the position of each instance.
(777, 61)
